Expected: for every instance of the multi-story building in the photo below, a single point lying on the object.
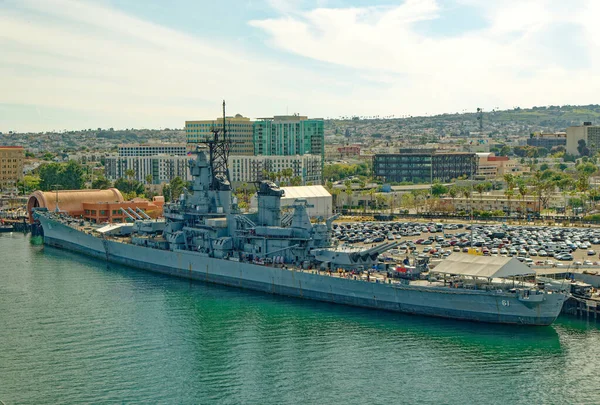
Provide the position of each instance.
(288, 135)
(88, 157)
(349, 150)
(152, 149)
(239, 129)
(161, 168)
(11, 165)
(589, 134)
(161, 162)
(424, 165)
(492, 202)
(255, 168)
(548, 141)
(490, 167)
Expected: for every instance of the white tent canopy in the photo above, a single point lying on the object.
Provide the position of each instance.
(318, 198)
(482, 266)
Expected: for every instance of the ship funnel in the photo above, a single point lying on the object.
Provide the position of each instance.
(269, 204)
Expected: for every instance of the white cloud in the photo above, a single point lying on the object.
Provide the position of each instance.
(508, 63)
(108, 68)
(123, 71)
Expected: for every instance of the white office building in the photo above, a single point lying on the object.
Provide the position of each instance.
(255, 168)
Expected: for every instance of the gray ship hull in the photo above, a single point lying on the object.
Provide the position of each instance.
(472, 305)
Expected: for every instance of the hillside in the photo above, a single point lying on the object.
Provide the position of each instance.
(518, 121)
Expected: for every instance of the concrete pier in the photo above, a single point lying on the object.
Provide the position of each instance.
(582, 308)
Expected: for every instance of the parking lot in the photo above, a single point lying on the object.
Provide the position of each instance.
(538, 245)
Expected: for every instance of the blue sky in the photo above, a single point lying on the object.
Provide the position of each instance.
(70, 64)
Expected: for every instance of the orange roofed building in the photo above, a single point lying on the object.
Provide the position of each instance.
(111, 212)
(97, 206)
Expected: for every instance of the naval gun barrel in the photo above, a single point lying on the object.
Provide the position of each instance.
(141, 211)
(127, 214)
(373, 249)
(332, 218)
(364, 255)
(133, 213)
(390, 246)
(374, 252)
(384, 249)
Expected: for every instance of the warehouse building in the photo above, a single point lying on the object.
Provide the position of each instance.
(318, 198)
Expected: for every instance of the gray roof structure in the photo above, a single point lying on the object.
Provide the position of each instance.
(482, 266)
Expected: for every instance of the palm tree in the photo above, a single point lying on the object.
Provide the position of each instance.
(565, 185)
(148, 179)
(348, 191)
(509, 179)
(466, 192)
(582, 185)
(523, 192)
(287, 173)
(453, 191)
(371, 193)
(509, 193)
(592, 196)
(334, 193)
(480, 188)
(130, 174)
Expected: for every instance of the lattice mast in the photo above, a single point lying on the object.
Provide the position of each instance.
(219, 148)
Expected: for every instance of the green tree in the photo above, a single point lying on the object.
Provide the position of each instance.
(73, 176)
(509, 193)
(582, 148)
(453, 192)
(287, 174)
(148, 179)
(130, 174)
(509, 179)
(504, 151)
(480, 188)
(130, 187)
(101, 183)
(175, 188)
(467, 192)
(407, 201)
(348, 191)
(28, 184)
(296, 181)
(541, 188)
(438, 189)
(523, 191)
(69, 176)
(50, 175)
(381, 201)
(565, 185)
(420, 198)
(587, 168)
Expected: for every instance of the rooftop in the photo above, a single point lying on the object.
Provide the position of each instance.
(305, 192)
(482, 266)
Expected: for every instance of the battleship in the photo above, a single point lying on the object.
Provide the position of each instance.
(204, 236)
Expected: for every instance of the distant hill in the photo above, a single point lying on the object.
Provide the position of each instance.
(518, 121)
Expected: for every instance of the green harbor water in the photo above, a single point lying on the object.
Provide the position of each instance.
(76, 330)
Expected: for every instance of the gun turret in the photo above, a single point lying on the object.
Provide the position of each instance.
(375, 251)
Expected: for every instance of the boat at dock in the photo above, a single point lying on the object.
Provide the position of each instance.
(205, 237)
